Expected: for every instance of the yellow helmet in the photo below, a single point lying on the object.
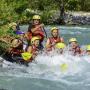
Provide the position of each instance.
(60, 45)
(34, 38)
(37, 17)
(15, 43)
(26, 56)
(88, 47)
(54, 28)
(72, 40)
(12, 24)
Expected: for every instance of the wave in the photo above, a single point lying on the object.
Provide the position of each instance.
(50, 67)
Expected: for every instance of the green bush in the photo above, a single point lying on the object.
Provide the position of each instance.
(3, 47)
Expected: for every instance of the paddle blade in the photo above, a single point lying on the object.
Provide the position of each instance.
(26, 56)
(64, 67)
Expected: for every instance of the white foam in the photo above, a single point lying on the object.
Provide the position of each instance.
(48, 67)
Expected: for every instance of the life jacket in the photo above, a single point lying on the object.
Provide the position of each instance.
(76, 51)
(39, 32)
(34, 49)
(53, 40)
(29, 34)
(17, 50)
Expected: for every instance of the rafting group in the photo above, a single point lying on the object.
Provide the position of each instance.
(27, 45)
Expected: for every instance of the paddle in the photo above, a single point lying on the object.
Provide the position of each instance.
(64, 67)
(45, 32)
(26, 56)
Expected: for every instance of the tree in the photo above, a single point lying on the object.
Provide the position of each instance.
(61, 6)
(73, 5)
(84, 5)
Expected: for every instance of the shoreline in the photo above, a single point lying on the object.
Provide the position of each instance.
(73, 18)
(79, 18)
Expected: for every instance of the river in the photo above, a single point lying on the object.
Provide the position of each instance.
(45, 73)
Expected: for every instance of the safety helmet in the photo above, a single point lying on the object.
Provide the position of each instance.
(88, 47)
(26, 56)
(34, 38)
(15, 43)
(12, 24)
(60, 45)
(37, 17)
(72, 40)
(54, 28)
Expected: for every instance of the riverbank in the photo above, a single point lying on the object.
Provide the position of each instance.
(72, 18)
(77, 18)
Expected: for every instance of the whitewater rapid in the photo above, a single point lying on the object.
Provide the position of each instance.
(45, 72)
(48, 67)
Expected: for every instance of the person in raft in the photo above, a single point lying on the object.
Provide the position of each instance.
(59, 47)
(15, 50)
(88, 49)
(36, 28)
(54, 39)
(74, 46)
(12, 29)
(34, 47)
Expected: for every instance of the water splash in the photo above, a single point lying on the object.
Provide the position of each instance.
(46, 70)
(48, 67)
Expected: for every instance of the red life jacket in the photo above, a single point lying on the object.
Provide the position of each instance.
(39, 32)
(34, 52)
(76, 51)
(34, 49)
(53, 40)
(29, 35)
(17, 51)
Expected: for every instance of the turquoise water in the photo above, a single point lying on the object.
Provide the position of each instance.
(45, 73)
